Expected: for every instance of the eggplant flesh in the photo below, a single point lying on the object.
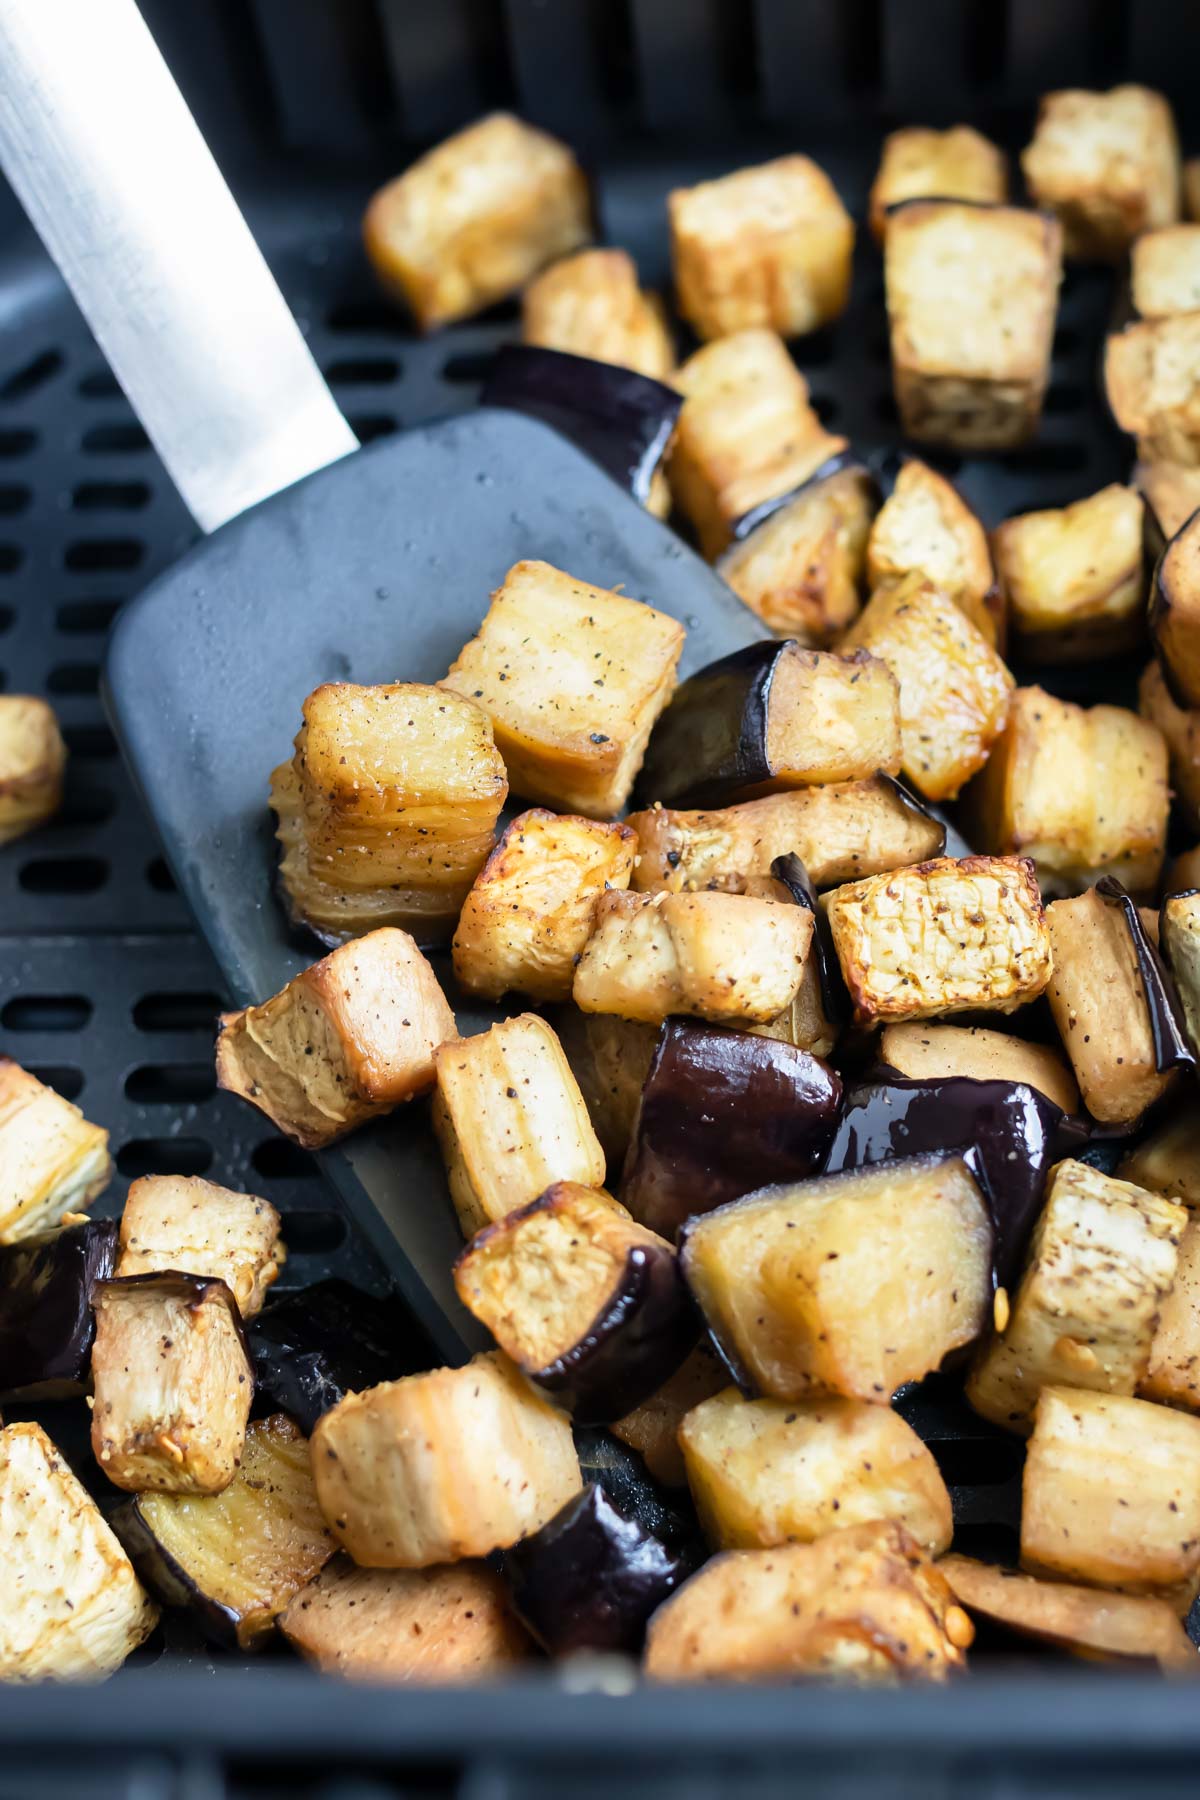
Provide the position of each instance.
(1172, 1050)
(1009, 1134)
(591, 1577)
(723, 1113)
(46, 1322)
(312, 1348)
(622, 420)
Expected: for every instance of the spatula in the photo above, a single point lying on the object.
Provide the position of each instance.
(323, 561)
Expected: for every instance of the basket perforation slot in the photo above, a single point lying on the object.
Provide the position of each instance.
(64, 874)
(171, 1084)
(87, 616)
(32, 375)
(115, 437)
(104, 553)
(165, 1156)
(111, 496)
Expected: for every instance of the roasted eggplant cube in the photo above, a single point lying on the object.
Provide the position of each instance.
(52, 1161)
(1098, 1626)
(1171, 493)
(527, 918)
(1179, 923)
(801, 567)
(1180, 728)
(235, 1560)
(173, 1384)
(926, 528)
(610, 1059)
(1098, 996)
(314, 1347)
(32, 760)
(1152, 379)
(768, 246)
(850, 1284)
(510, 1120)
(591, 1577)
(918, 164)
(768, 1472)
(344, 1042)
(1081, 791)
(451, 1624)
(1111, 1495)
(46, 1323)
(587, 1303)
(591, 305)
(652, 1428)
(972, 293)
(860, 1605)
(1107, 165)
(954, 688)
(747, 433)
(1168, 1161)
(470, 221)
(723, 1113)
(840, 832)
(71, 1607)
(727, 958)
(1175, 614)
(573, 678)
(770, 717)
(941, 937)
(1073, 577)
(181, 1222)
(1164, 271)
(936, 1052)
(455, 1463)
(1173, 1373)
(1101, 1262)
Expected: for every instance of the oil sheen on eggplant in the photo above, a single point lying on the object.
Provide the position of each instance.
(46, 1321)
(621, 419)
(710, 745)
(313, 1348)
(723, 1113)
(1171, 1047)
(835, 1001)
(1010, 1135)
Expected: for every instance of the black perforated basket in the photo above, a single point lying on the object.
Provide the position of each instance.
(105, 991)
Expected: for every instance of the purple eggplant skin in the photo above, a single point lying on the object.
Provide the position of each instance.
(622, 420)
(158, 1571)
(835, 465)
(710, 745)
(1010, 1135)
(835, 999)
(1172, 1049)
(312, 1348)
(46, 1320)
(591, 1577)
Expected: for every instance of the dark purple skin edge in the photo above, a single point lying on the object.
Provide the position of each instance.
(46, 1332)
(646, 1329)
(1171, 1047)
(722, 1113)
(591, 1577)
(743, 527)
(192, 1288)
(711, 742)
(835, 1000)
(158, 1570)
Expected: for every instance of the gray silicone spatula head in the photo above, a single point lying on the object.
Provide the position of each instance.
(373, 566)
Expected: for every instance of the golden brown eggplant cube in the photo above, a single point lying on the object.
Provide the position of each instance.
(972, 293)
(1101, 1263)
(1175, 614)
(1107, 165)
(954, 688)
(1171, 492)
(926, 528)
(919, 164)
(652, 1429)
(343, 1042)
(32, 759)
(526, 920)
(931, 1051)
(510, 1120)
(1111, 1495)
(1179, 923)
(1168, 1161)
(1082, 791)
(183, 1222)
(591, 305)
(1180, 728)
(470, 221)
(801, 569)
(747, 433)
(1172, 1375)
(52, 1160)
(1099, 1626)
(952, 935)
(173, 1383)
(767, 246)
(573, 678)
(1100, 1006)
(1165, 271)
(1074, 577)
(1152, 379)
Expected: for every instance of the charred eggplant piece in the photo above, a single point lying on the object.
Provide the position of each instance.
(590, 1578)
(589, 1304)
(313, 1348)
(1168, 1024)
(1010, 1136)
(235, 1560)
(770, 717)
(722, 1113)
(622, 420)
(46, 1323)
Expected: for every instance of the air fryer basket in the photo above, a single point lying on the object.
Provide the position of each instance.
(107, 993)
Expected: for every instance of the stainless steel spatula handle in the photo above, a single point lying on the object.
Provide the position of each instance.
(103, 153)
